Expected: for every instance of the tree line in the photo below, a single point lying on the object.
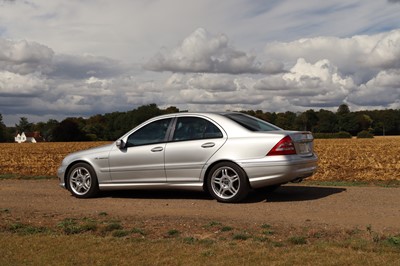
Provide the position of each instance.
(111, 126)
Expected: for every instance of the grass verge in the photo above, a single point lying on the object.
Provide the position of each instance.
(356, 183)
(84, 249)
(26, 177)
(106, 241)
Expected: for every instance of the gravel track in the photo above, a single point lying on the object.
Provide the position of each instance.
(44, 202)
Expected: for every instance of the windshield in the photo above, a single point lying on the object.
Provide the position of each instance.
(251, 123)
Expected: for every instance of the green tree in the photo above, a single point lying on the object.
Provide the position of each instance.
(46, 129)
(68, 130)
(343, 110)
(171, 110)
(347, 121)
(24, 125)
(96, 127)
(286, 120)
(145, 112)
(327, 122)
(364, 122)
(307, 120)
(3, 130)
(385, 122)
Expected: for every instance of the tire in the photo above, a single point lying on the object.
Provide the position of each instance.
(227, 182)
(82, 181)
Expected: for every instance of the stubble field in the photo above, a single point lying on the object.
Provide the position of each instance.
(376, 159)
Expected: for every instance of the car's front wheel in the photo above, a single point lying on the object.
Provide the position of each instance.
(227, 182)
(82, 181)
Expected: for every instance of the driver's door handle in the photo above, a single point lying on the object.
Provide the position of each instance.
(157, 149)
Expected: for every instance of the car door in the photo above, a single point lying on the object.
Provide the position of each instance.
(194, 141)
(142, 158)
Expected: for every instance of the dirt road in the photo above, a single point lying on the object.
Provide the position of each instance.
(43, 201)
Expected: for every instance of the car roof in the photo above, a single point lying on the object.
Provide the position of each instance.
(230, 127)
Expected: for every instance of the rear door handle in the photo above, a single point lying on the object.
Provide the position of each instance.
(208, 145)
(157, 149)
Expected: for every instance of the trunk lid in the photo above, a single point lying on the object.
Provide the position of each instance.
(303, 142)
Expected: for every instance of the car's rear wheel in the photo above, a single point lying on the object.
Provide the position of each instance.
(227, 182)
(82, 181)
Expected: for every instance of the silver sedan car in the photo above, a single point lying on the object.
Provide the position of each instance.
(225, 154)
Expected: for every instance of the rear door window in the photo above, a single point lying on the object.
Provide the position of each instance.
(192, 128)
(252, 123)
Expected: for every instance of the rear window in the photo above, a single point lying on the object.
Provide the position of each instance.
(252, 123)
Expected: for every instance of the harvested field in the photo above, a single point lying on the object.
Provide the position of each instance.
(339, 159)
(37, 159)
(358, 159)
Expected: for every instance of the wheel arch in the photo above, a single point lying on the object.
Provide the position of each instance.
(207, 172)
(72, 164)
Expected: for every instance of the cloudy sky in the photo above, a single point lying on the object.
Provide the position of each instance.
(84, 57)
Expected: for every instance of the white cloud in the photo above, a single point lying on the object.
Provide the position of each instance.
(24, 57)
(12, 84)
(203, 52)
(386, 51)
(67, 58)
(383, 90)
(309, 85)
(85, 66)
(361, 56)
(212, 82)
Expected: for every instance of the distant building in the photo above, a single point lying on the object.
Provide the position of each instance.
(29, 137)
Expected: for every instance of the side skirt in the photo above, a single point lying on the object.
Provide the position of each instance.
(198, 186)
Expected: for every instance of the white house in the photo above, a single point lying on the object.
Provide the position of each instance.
(29, 137)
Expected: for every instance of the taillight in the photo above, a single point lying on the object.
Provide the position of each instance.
(284, 147)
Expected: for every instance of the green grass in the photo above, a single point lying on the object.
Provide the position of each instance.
(226, 229)
(297, 240)
(241, 236)
(43, 249)
(189, 240)
(339, 183)
(109, 243)
(268, 232)
(173, 232)
(72, 226)
(393, 241)
(26, 177)
(8, 176)
(265, 226)
(120, 233)
(213, 224)
(25, 229)
(138, 231)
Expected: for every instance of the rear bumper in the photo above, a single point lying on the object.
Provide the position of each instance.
(276, 170)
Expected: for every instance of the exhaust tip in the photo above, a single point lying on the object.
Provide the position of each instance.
(297, 180)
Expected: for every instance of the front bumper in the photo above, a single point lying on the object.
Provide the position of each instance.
(279, 169)
(61, 174)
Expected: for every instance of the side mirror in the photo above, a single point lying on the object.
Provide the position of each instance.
(120, 144)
